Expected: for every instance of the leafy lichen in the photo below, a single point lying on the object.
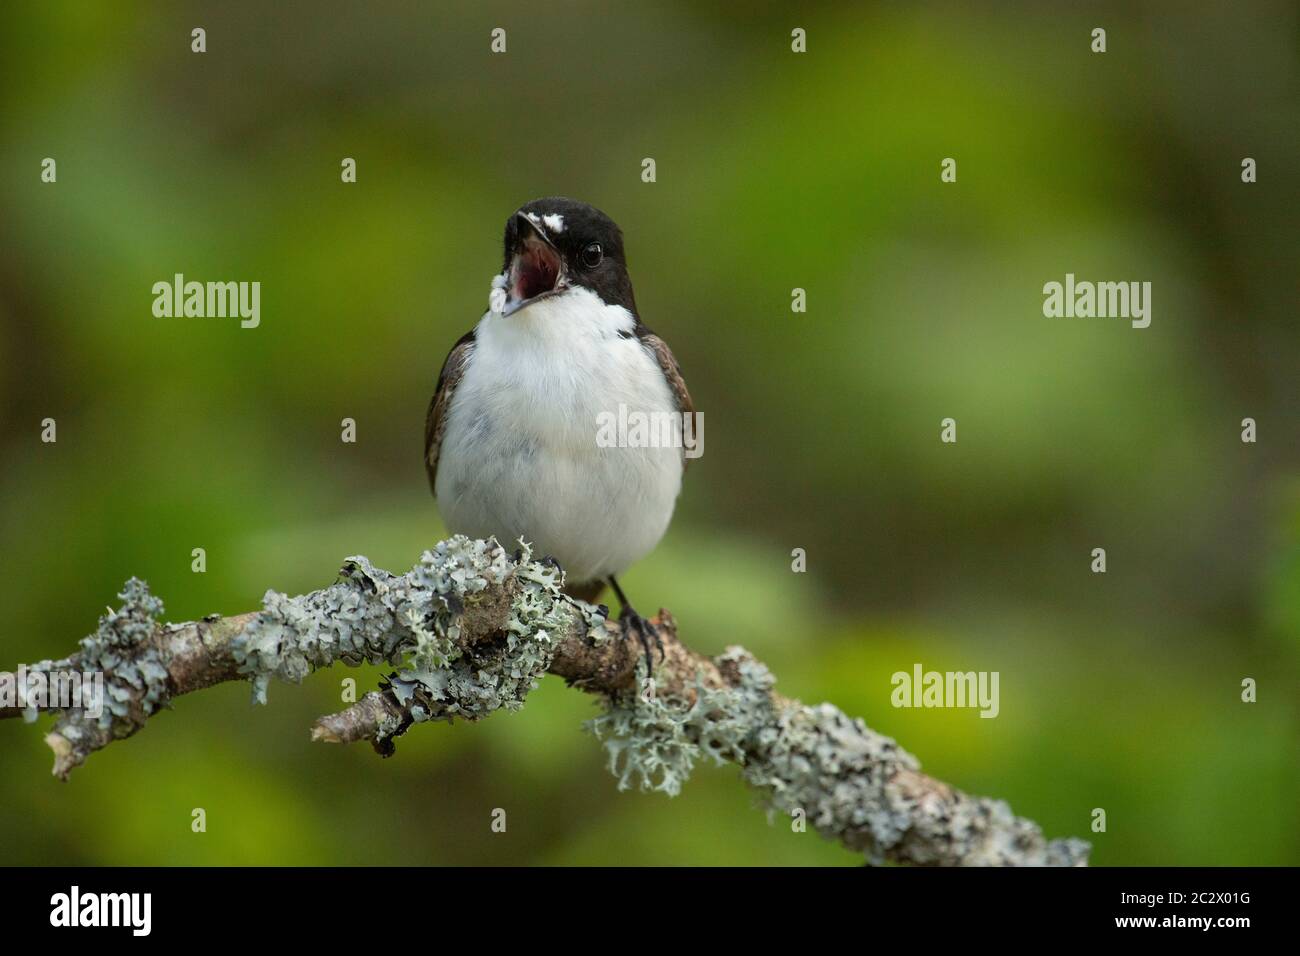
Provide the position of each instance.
(413, 622)
(851, 783)
(654, 741)
(448, 681)
(133, 670)
(128, 678)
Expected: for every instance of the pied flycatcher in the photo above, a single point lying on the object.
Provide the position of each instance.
(511, 435)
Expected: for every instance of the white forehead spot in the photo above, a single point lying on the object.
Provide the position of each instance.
(554, 222)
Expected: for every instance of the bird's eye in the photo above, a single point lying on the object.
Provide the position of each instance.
(592, 255)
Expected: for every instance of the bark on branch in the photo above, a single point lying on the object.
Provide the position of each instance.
(470, 630)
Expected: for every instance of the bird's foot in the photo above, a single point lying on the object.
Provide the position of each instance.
(633, 623)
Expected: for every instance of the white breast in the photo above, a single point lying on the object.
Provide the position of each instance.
(520, 457)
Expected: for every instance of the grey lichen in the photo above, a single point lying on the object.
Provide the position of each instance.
(818, 760)
(133, 670)
(852, 784)
(122, 676)
(469, 631)
(653, 741)
(447, 682)
(413, 622)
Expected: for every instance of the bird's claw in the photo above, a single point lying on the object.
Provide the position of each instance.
(632, 622)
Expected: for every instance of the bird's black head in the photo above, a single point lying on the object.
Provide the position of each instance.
(553, 245)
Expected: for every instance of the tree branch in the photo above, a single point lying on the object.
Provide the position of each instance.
(470, 630)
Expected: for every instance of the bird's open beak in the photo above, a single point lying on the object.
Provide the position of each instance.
(536, 267)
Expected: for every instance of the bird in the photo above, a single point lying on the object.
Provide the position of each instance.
(511, 433)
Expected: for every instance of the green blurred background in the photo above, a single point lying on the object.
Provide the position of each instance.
(775, 170)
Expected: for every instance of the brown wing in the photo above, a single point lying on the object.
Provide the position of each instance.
(672, 372)
(435, 422)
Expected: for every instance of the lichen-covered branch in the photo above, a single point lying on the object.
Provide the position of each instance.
(470, 630)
